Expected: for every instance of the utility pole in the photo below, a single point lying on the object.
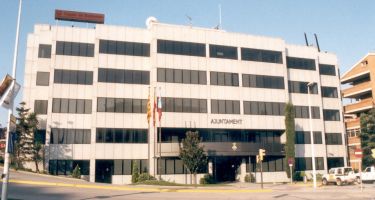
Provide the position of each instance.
(5, 175)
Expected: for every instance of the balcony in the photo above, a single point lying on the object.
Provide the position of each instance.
(355, 74)
(357, 90)
(352, 123)
(359, 106)
(226, 149)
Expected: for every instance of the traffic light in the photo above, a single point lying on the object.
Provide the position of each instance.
(262, 153)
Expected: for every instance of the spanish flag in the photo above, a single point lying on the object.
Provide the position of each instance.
(154, 109)
(148, 108)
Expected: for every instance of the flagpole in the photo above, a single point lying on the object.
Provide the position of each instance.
(148, 129)
(5, 175)
(155, 137)
(159, 130)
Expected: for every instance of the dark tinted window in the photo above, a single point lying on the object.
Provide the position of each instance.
(219, 51)
(330, 92)
(77, 106)
(327, 70)
(115, 135)
(181, 76)
(74, 49)
(123, 76)
(303, 112)
(225, 107)
(331, 115)
(260, 81)
(73, 77)
(224, 79)
(181, 48)
(261, 55)
(121, 105)
(42, 78)
(300, 63)
(70, 136)
(124, 48)
(333, 139)
(44, 51)
(263, 108)
(301, 87)
(185, 105)
(40, 107)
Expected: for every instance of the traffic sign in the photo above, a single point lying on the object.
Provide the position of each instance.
(290, 161)
(358, 153)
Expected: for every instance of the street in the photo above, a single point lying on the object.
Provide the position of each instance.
(26, 185)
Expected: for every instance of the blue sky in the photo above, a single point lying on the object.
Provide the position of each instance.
(344, 27)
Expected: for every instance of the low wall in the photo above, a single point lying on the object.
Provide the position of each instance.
(175, 178)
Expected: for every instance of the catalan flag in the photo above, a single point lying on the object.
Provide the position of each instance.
(148, 108)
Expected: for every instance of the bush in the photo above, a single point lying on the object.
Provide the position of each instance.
(298, 176)
(145, 177)
(319, 177)
(207, 179)
(135, 173)
(76, 172)
(250, 178)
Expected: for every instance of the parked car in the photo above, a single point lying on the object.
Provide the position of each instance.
(368, 175)
(339, 175)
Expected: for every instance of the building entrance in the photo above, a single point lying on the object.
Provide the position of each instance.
(226, 168)
(103, 171)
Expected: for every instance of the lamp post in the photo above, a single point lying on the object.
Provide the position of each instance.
(311, 84)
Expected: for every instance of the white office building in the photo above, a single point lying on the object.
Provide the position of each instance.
(90, 87)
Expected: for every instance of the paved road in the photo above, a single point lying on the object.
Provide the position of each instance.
(30, 186)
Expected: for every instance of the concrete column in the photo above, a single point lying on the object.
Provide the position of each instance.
(92, 170)
(210, 167)
(242, 170)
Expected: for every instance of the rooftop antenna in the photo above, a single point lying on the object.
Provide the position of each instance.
(307, 42)
(190, 20)
(220, 27)
(317, 43)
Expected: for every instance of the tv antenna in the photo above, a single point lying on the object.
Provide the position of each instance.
(219, 25)
(190, 20)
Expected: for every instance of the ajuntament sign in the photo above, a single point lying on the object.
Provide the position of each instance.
(67, 15)
(226, 121)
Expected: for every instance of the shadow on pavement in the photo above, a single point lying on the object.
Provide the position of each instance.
(119, 195)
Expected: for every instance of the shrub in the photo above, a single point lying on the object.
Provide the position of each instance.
(207, 179)
(298, 176)
(250, 178)
(145, 177)
(135, 173)
(76, 172)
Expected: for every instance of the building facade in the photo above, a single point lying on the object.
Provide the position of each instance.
(90, 87)
(359, 95)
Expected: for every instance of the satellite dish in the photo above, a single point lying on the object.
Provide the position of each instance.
(150, 20)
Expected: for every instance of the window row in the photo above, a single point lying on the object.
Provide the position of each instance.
(304, 137)
(224, 79)
(263, 108)
(40, 107)
(261, 81)
(269, 164)
(44, 51)
(175, 135)
(74, 49)
(300, 63)
(123, 76)
(124, 48)
(220, 51)
(303, 112)
(331, 115)
(182, 76)
(305, 163)
(120, 105)
(73, 77)
(125, 167)
(330, 92)
(70, 136)
(66, 167)
(225, 107)
(78, 106)
(261, 55)
(185, 105)
(42, 78)
(175, 166)
(301, 87)
(327, 69)
(333, 139)
(117, 135)
(181, 48)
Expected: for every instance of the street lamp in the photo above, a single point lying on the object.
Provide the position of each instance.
(311, 84)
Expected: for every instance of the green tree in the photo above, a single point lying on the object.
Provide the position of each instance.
(21, 128)
(192, 154)
(135, 172)
(76, 172)
(290, 135)
(36, 147)
(367, 135)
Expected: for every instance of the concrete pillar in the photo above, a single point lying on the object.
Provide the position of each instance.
(92, 170)
(242, 170)
(210, 167)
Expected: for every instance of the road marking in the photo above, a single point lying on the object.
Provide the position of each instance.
(124, 188)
